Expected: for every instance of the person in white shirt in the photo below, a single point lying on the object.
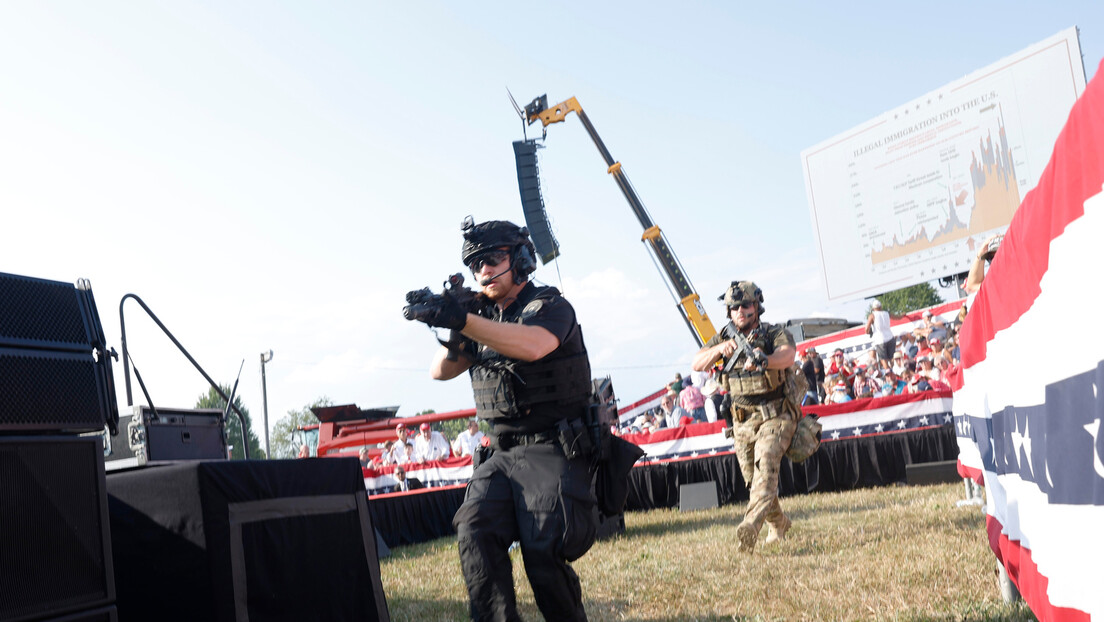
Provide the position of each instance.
(468, 440)
(402, 453)
(898, 362)
(926, 368)
(709, 390)
(881, 335)
(430, 445)
(399, 453)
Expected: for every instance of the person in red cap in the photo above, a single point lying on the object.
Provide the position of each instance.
(841, 367)
(400, 453)
(918, 383)
(430, 444)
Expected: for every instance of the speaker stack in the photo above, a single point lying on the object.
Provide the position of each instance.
(55, 383)
(532, 203)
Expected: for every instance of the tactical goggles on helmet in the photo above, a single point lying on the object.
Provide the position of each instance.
(741, 294)
(489, 258)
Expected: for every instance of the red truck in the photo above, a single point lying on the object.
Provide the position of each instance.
(344, 430)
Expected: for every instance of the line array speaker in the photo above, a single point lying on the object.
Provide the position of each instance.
(55, 372)
(532, 203)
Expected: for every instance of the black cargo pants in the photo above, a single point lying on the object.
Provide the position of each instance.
(536, 496)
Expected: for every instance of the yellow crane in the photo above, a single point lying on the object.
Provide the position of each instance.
(688, 301)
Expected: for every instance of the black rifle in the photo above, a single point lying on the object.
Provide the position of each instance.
(731, 332)
(423, 304)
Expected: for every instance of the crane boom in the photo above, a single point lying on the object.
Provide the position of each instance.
(689, 301)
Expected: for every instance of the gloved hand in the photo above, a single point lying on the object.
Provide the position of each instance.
(458, 345)
(758, 358)
(441, 311)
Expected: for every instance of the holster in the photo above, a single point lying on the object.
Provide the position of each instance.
(574, 439)
(611, 482)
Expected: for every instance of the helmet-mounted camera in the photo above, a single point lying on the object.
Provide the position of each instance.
(740, 292)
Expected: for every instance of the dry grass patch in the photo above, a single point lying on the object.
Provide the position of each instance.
(897, 553)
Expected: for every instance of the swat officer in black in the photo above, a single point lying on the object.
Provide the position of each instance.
(531, 378)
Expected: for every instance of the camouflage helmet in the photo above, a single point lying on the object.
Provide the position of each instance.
(742, 291)
(494, 234)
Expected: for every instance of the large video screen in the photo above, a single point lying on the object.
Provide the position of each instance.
(908, 197)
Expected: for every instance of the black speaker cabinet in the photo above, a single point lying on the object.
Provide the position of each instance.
(245, 540)
(55, 548)
(55, 374)
(99, 614)
(927, 473)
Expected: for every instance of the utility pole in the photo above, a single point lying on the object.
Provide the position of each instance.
(265, 357)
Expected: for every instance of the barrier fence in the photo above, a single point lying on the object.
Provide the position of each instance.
(866, 442)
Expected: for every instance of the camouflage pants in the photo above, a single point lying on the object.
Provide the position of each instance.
(760, 442)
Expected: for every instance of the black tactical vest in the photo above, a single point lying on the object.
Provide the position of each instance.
(508, 388)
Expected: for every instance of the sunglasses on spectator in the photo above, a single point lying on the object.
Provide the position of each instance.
(490, 258)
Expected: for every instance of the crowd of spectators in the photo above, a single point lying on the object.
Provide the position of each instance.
(683, 403)
(428, 445)
(913, 361)
(916, 360)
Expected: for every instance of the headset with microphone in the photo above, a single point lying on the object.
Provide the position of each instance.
(487, 235)
(489, 280)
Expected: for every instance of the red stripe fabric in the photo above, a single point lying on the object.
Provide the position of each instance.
(1012, 286)
(1075, 173)
(871, 403)
(654, 396)
(1025, 574)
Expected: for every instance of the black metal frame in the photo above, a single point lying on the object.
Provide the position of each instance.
(179, 346)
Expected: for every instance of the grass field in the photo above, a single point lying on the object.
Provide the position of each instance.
(896, 553)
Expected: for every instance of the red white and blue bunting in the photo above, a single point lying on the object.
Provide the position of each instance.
(1028, 403)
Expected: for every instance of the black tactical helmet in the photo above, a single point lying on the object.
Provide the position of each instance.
(494, 234)
(739, 292)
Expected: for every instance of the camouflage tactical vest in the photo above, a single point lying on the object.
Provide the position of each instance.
(755, 383)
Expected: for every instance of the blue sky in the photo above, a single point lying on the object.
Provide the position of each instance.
(271, 175)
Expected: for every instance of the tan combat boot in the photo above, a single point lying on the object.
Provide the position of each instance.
(776, 533)
(745, 538)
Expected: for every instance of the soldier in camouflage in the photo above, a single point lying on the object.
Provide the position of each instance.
(763, 419)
